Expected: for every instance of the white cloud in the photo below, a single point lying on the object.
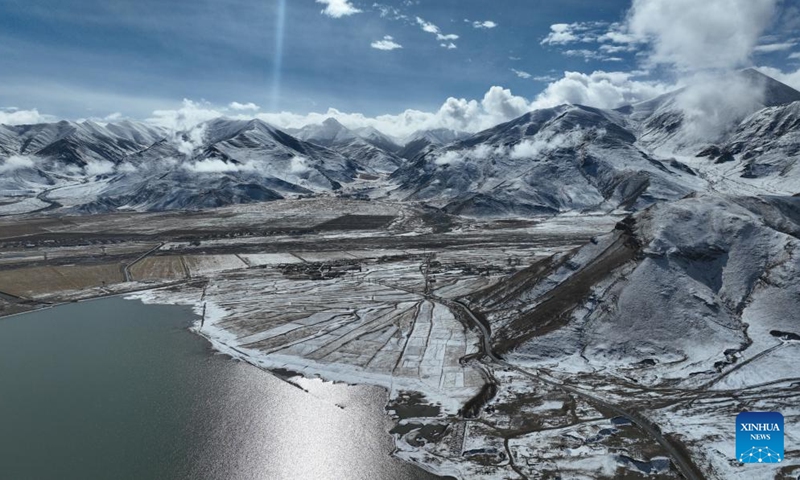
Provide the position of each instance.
(185, 124)
(387, 11)
(99, 167)
(599, 89)
(338, 8)
(487, 24)
(794, 56)
(696, 35)
(584, 53)
(188, 116)
(427, 26)
(617, 33)
(16, 162)
(445, 38)
(211, 165)
(449, 158)
(560, 34)
(521, 73)
(774, 47)
(387, 43)
(13, 116)
(713, 103)
(530, 149)
(243, 106)
(566, 33)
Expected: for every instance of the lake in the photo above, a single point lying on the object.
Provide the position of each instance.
(115, 389)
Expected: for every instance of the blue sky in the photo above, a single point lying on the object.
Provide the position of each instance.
(223, 51)
(90, 58)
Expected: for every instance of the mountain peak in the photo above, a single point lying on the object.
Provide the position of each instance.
(331, 122)
(775, 92)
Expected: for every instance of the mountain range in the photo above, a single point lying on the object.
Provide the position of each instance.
(566, 158)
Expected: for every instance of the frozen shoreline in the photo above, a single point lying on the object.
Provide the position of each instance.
(224, 342)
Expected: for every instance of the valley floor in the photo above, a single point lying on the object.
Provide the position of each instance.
(368, 292)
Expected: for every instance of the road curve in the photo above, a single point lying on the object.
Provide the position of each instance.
(683, 463)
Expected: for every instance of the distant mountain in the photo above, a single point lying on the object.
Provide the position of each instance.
(661, 123)
(92, 168)
(372, 148)
(422, 140)
(567, 158)
(547, 161)
(437, 136)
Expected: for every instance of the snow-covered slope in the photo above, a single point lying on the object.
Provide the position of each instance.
(567, 158)
(372, 148)
(681, 292)
(423, 140)
(706, 112)
(91, 168)
(547, 161)
(766, 148)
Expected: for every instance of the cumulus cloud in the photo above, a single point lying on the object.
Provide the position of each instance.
(704, 43)
(693, 35)
(16, 162)
(599, 89)
(250, 106)
(186, 124)
(338, 8)
(449, 46)
(14, 116)
(708, 107)
(487, 24)
(387, 43)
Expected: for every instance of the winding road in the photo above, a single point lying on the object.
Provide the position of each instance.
(681, 461)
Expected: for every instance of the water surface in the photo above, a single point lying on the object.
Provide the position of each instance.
(116, 389)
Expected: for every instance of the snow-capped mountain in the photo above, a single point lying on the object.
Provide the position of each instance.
(422, 140)
(91, 168)
(436, 136)
(581, 158)
(567, 158)
(551, 160)
(704, 113)
(765, 148)
(368, 145)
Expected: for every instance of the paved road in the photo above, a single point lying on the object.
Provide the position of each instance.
(683, 463)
